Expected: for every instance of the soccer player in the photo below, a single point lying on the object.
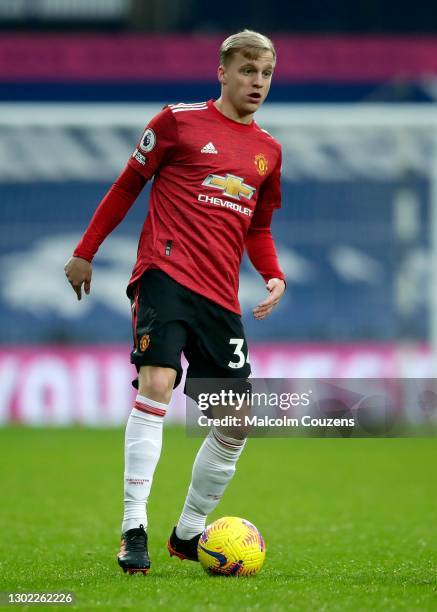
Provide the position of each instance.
(216, 185)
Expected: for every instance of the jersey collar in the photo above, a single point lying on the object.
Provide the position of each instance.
(235, 125)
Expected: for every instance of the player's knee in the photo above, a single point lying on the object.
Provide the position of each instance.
(156, 383)
(239, 432)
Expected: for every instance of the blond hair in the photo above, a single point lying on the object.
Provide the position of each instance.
(250, 43)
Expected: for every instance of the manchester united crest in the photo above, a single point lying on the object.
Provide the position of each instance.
(144, 342)
(261, 163)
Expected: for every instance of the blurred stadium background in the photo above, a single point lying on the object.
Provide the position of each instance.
(355, 113)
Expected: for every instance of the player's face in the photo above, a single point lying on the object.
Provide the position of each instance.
(246, 82)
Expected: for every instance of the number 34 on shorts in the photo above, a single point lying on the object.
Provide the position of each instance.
(239, 358)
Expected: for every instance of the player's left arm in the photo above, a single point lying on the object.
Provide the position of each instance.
(261, 250)
(260, 245)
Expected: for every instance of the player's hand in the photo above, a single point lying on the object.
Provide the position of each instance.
(276, 288)
(79, 272)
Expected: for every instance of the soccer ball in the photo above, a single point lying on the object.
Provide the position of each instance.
(231, 546)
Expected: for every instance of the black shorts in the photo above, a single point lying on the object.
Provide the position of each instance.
(169, 319)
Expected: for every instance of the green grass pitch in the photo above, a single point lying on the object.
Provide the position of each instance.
(349, 524)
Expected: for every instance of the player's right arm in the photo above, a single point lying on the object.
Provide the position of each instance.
(108, 215)
(152, 150)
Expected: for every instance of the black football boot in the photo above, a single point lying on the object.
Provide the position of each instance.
(184, 549)
(133, 556)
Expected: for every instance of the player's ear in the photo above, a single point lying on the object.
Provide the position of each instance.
(221, 75)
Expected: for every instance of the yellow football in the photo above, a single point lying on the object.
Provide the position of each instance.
(231, 546)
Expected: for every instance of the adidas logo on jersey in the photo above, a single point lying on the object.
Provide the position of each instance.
(209, 148)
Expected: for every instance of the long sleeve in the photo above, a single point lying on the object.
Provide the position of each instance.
(110, 212)
(261, 247)
(156, 143)
(259, 240)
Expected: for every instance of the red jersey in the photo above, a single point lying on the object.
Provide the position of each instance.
(210, 173)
